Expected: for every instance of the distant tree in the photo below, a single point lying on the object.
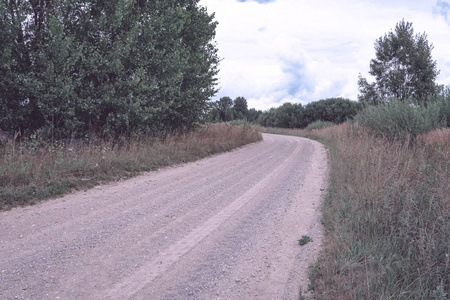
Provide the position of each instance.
(253, 115)
(287, 115)
(267, 118)
(212, 113)
(230, 115)
(403, 68)
(241, 108)
(336, 110)
(223, 105)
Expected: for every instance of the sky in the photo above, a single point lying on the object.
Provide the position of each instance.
(299, 51)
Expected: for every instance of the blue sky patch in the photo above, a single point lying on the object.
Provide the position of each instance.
(443, 8)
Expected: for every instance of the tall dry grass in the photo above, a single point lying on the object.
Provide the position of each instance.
(386, 216)
(30, 172)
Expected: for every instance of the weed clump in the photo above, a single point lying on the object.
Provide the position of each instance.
(401, 121)
(319, 125)
(304, 240)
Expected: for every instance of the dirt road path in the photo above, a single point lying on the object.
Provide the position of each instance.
(225, 227)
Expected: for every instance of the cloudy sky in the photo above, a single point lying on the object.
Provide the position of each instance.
(298, 51)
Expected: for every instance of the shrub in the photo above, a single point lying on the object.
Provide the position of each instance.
(402, 121)
(320, 125)
(443, 101)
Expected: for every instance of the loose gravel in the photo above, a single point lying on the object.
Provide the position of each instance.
(225, 227)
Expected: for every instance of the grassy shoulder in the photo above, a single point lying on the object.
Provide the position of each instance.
(29, 174)
(386, 216)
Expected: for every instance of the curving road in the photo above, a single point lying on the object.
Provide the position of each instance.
(225, 227)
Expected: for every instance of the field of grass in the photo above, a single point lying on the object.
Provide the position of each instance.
(386, 216)
(31, 171)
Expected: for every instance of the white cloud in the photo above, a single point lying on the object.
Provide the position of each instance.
(303, 51)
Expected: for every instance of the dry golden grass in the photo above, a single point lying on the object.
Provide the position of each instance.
(436, 138)
(30, 172)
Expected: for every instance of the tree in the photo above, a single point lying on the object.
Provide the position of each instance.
(253, 115)
(336, 110)
(112, 68)
(403, 68)
(241, 108)
(224, 106)
(14, 65)
(267, 118)
(287, 115)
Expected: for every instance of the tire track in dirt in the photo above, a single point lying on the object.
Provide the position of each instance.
(126, 289)
(202, 230)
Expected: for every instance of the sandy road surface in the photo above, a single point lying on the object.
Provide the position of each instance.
(225, 227)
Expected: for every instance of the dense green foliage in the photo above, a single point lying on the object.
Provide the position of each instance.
(403, 68)
(112, 68)
(225, 110)
(335, 110)
(403, 121)
(443, 101)
(398, 120)
(287, 115)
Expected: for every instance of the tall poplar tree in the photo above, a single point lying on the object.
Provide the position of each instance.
(112, 68)
(403, 68)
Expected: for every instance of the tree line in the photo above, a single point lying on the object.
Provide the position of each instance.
(226, 109)
(112, 68)
(404, 72)
(288, 115)
(138, 67)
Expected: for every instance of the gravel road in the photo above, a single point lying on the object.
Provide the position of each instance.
(225, 227)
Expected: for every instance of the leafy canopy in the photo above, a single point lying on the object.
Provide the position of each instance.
(335, 110)
(403, 68)
(112, 68)
(225, 109)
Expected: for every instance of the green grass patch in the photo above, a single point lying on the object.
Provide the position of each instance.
(319, 125)
(304, 240)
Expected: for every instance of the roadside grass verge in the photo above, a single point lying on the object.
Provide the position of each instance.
(386, 216)
(30, 173)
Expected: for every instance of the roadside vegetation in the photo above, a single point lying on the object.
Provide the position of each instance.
(288, 115)
(386, 216)
(32, 170)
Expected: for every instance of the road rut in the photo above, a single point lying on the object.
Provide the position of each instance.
(225, 227)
